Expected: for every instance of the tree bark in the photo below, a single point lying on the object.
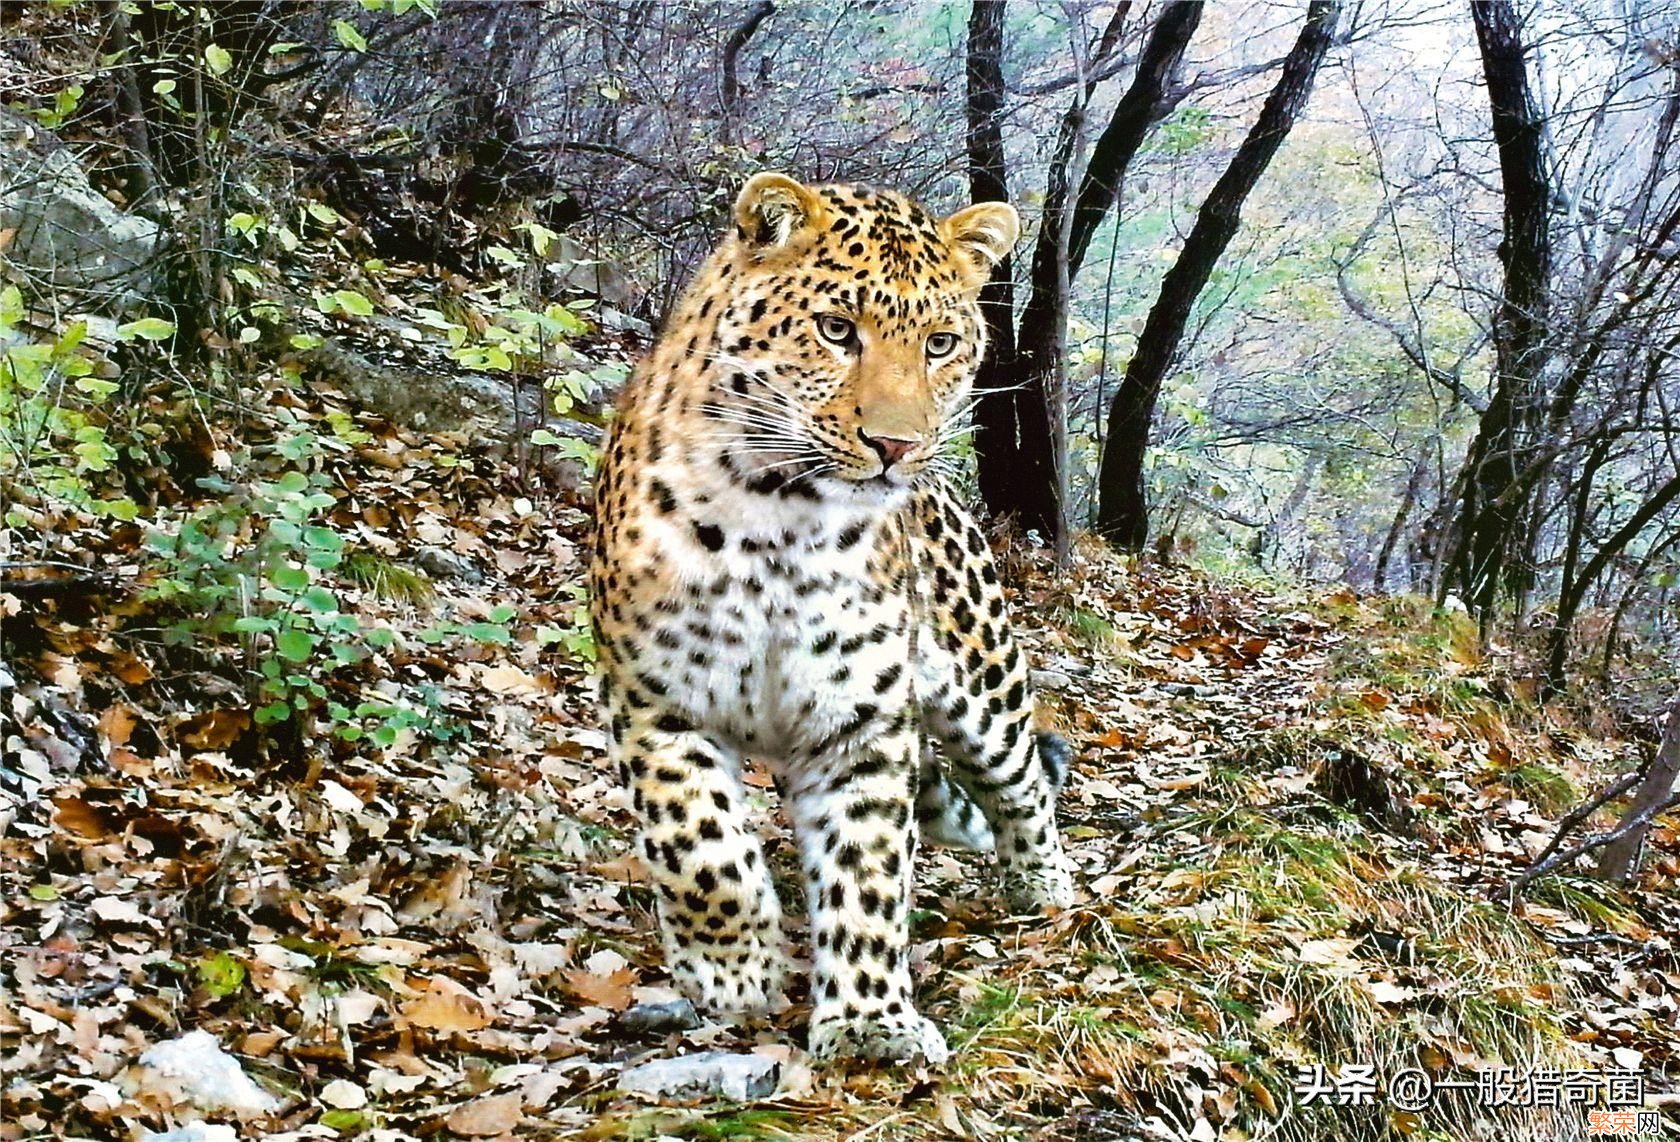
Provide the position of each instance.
(1490, 527)
(730, 97)
(1408, 500)
(1619, 862)
(1018, 446)
(1122, 513)
(1011, 421)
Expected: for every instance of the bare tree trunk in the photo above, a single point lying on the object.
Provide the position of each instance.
(1408, 500)
(730, 97)
(1492, 512)
(140, 178)
(1619, 862)
(1122, 514)
(1031, 489)
(1012, 428)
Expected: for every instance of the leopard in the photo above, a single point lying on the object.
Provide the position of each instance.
(784, 573)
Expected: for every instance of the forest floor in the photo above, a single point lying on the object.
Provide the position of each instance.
(1297, 817)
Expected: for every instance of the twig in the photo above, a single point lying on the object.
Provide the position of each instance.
(1550, 859)
(58, 584)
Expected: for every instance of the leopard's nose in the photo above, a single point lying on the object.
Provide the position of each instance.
(891, 449)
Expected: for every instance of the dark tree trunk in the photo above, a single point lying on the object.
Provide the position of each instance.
(730, 96)
(1026, 477)
(1491, 519)
(1122, 514)
(1011, 421)
(1408, 500)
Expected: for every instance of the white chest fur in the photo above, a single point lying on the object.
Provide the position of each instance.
(779, 625)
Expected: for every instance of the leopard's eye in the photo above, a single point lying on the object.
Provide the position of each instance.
(941, 345)
(835, 329)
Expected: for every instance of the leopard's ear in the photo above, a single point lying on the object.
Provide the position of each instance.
(986, 231)
(772, 208)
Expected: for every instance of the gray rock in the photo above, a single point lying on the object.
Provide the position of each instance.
(1050, 680)
(67, 233)
(659, 1018)
(573, 266)
(440, 563)
(709, 1074)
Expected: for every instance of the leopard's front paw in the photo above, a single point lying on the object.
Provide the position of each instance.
(889, 1038)
(1037, 887)
(741, 980)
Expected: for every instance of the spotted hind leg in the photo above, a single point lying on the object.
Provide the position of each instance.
(977, 701)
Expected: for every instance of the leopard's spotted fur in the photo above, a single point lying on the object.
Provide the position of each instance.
(781, 572)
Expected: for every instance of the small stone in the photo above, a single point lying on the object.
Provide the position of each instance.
(195, 1069)
(192, 1132)
(659, 1018)
(342, 1094)
(1050, 680)
(709, 1074)
(442, 564)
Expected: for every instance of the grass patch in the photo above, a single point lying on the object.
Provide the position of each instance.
(1283, 944)
(1547, 786)
(1594, 901)
(388, 580)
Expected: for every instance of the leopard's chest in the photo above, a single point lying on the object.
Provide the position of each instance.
(783, 641)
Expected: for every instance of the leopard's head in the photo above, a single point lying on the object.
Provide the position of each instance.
(849, 332)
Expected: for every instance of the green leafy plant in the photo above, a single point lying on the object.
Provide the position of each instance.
(577, 638)
(259, 564)
(55, 438)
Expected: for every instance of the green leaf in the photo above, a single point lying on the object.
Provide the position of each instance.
(42, 892)
(292, 579)
(96, 389)
(124, 508)
(284, 48)
(218, 59)
(147, 329)
(324, 538)
(347, 35)
(273, 712)
(487, 632)
(306, 341)
(320, 600)
(292, 482)
(221, 975)
(11, 306)
(352, 302)
(324, 214)
(253, 624)
(503, 613)
(295, 645)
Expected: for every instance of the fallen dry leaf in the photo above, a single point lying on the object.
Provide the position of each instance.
(493, 1114)
(446, 1006)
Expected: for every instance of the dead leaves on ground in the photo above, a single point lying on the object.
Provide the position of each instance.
(428, 937)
